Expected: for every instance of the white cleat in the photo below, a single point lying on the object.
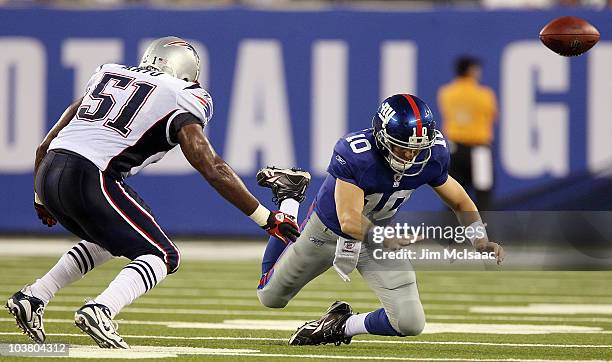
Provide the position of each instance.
(95, 320)
(28, 312)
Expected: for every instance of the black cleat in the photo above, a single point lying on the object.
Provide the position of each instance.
(285, 183)
(95, 320)
(328, 329)
(28, 312)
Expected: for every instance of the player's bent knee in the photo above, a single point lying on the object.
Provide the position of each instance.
(411, 328)
(271, 300)
(410, 323)
(173, 261)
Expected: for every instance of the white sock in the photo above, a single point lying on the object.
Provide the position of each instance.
(355, 325)
(135, 279)
(71, 267)
(291, 207)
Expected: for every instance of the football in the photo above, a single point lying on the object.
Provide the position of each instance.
(569, 36)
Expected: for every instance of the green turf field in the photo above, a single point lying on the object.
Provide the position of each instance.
(209, 310)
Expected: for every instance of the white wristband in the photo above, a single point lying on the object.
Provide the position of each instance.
(260, 215)
(37, 199)
(480, 231)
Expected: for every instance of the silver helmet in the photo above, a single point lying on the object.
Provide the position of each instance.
(173, 56)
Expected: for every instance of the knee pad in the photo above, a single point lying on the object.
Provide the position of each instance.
(410, 320)
(270, 300)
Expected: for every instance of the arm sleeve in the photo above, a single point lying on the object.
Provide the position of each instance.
(176, 122)
(195, 100)
(343, 164)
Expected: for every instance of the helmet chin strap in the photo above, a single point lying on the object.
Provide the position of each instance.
(397, 164)
(394, 164)
(397, 176)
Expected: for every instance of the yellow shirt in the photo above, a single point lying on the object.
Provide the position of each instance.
(468, 111)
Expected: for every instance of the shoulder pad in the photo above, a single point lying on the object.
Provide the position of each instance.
(197, 101)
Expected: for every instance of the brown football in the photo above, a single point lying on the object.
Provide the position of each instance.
(569, 36)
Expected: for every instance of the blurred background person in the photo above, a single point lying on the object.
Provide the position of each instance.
(468, 111)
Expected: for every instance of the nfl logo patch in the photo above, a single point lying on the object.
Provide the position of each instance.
(348, 246)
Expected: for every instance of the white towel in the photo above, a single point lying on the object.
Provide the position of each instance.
(347, 256)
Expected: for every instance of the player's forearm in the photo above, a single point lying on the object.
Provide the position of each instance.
(229, 185)
(201, 155)
(349, 209)
(455, 196)
(354, 225)
(468, 215)
(63, 121)
(466, 211)
(350, 224)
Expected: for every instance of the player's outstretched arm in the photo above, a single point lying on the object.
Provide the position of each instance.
(454, 195)
(201, 155)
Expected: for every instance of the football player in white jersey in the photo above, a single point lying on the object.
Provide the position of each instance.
(128, 118)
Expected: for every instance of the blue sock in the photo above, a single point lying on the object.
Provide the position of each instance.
(378, 323)
(273, 251)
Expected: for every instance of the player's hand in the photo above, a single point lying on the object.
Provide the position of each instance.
(44, 214)
(282, 226)
(484, 246)
(397, 243)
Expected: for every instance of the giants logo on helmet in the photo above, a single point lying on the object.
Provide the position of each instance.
(386, 113)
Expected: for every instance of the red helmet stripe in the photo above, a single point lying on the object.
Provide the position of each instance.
(415, 109)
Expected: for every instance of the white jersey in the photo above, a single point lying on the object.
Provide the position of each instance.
(125, 121)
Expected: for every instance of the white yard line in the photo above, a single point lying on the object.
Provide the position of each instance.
(517, 318)
(319, 296)
(138, 352)
(67, 301)
(542, 308)
(328, 357)
(430, 328)
(282, 313)
(358, 341)
(170, 311)
(220, 289)
(429, 316)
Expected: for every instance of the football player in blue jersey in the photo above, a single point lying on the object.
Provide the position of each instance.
(371, 173)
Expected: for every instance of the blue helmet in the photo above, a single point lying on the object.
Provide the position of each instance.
(404, 121)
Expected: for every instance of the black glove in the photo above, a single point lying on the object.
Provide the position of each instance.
(282, 226)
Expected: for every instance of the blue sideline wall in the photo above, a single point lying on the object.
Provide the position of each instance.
(287, 84)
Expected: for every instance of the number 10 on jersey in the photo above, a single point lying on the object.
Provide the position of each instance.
(359, 143)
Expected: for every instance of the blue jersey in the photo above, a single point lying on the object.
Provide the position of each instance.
(357, 160)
